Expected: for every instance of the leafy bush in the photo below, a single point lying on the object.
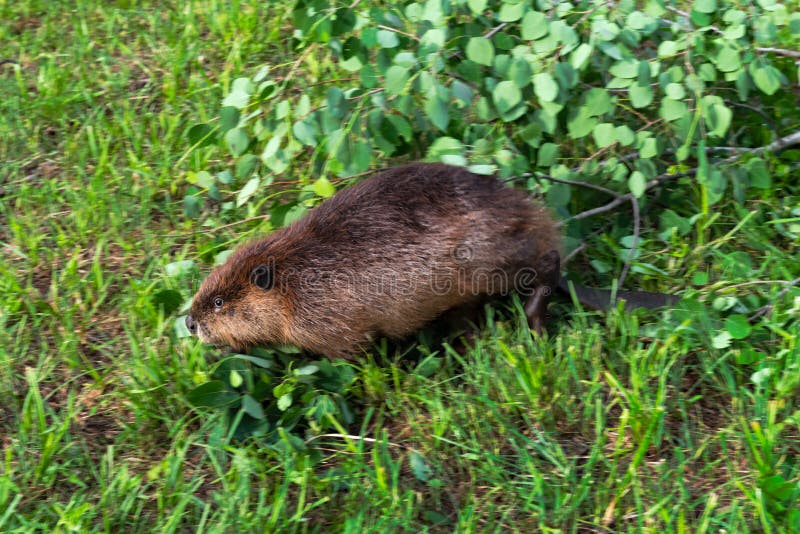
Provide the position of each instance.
(605, 93)
(595, 104)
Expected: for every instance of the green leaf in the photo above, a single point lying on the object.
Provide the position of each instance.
(640, 95)
(705, 6)
(244, 167)
(477, 6)
(169, 300)
(580, 56)
(461, 91)
(721, 340)
(306, 370)
(247, 191)
(758, 173)
(628, 68)
(760, 377)
(252, 407)
(437, 112)
(236, 141)
(228, 118)
(239, 96)
(545, 86)
(728, 59)
(234, 378)
(779, 488)
(192, 206)
(604, 134)
(179, 268)
(419, 468)
(672, 110)
(766, 78)
(510, 12)
(548, 153)
(401, 126)
(534, 25)
(506, 95)
(637, 20)
(718, 117)
(667, 48)
(738, 326)
(480, 50)
(201, 135)
(625, 135)
(387, 39)
(255, 360)
(214, 394)
(532, 134)
(445, 146)
(649, 148)
(284, 402)
(337, 105)
(580, 124)
(637, 184)
(396, 78)
(323, 187)
(306, 131)
(519, 72)
(558, 195)
(675, 91)
(597, 102)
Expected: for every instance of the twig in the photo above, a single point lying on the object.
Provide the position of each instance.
(577, 250)
(689, 17)
(586, 14)
(588, 185)
(779, 144)
(769, 120)
(401, 32)
(626, 197)
(767, 309)
(491, 33)
(637, 224)
(775, 146)
(780, 51)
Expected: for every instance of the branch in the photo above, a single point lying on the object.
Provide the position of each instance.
(588, 185)
(778, 144)
(780, 51)
(628, 196)
(637, 224)
(775, 146)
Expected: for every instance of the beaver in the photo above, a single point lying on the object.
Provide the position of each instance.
(382, 258)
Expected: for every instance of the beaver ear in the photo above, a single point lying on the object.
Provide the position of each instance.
(262, 277)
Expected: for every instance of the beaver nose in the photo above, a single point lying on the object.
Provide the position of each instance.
(191, 324)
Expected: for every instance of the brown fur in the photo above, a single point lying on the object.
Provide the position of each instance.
(381, 258)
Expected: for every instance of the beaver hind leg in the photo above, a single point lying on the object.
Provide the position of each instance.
(546, 281)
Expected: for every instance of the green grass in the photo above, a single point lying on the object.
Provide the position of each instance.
(621, 423)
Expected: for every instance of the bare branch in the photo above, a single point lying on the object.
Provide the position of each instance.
(626, 197)
(575, 183)
(637, 225)
(780, 51)
(775, 146)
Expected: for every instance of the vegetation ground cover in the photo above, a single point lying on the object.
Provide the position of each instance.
(677, 421)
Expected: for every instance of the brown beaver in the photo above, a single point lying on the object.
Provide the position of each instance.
(383, 258)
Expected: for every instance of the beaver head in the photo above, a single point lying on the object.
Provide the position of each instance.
(240, 304)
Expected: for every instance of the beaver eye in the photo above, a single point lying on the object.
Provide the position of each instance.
(218, 302)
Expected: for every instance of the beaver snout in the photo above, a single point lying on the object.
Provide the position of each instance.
(191, 324)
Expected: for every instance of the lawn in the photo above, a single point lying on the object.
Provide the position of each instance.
(670, 421)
